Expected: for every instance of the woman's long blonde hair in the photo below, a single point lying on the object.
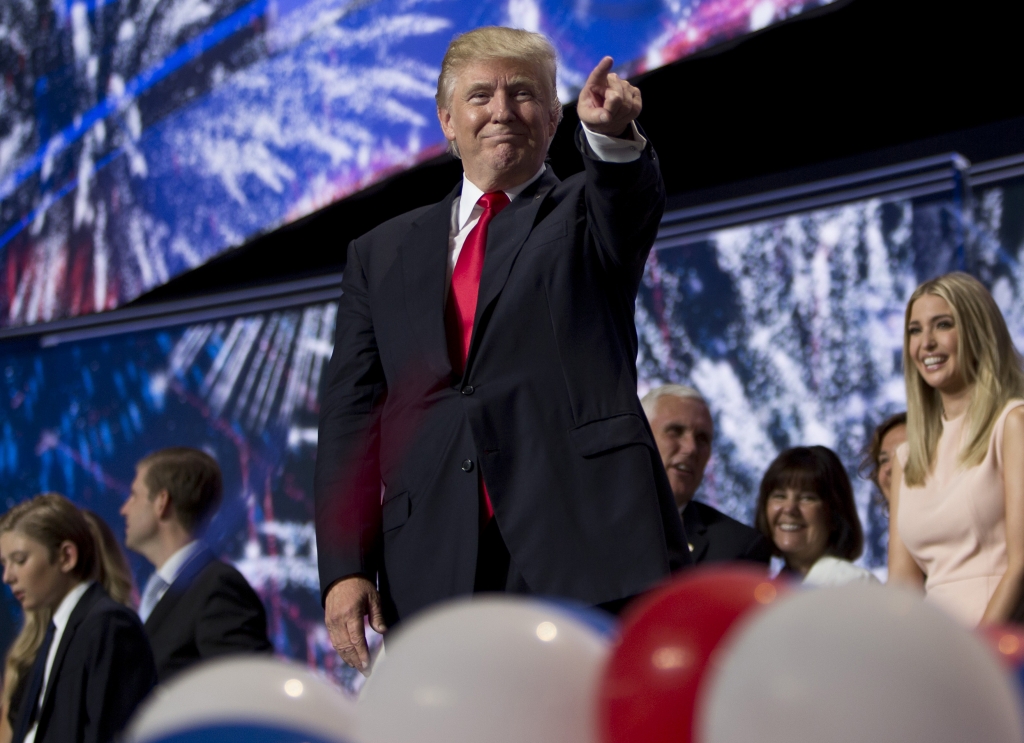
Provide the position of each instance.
(112, 569)
(46, 518)
(988, 361)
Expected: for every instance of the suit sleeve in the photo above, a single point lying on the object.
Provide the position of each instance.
(232, 620)
(758, 550)
(624, 206)
(347, 476)
(120, 673)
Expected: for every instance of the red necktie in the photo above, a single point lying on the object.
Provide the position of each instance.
(460, 309)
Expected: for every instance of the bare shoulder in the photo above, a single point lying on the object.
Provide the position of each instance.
(1013, 431)
(1015, 421)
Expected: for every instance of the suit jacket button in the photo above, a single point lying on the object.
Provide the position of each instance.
(468, 390)
(467, 465)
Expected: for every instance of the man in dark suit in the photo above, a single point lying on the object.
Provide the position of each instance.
(194, 606)
(683, 430)
(484, 367)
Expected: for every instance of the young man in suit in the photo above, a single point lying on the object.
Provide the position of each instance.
(683, 430)
(194, 606)
(484, 366)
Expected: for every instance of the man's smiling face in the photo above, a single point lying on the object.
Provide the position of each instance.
(683, 430)
(502, 117)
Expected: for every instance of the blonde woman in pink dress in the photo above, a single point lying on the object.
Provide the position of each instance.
(957, 524)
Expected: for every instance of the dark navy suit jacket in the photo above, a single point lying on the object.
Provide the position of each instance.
(715, 537)
(102, 669)
(546, 410)
(210, 610)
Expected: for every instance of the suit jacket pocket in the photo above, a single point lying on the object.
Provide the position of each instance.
(395, 511)
(606, 434)
(546, 235)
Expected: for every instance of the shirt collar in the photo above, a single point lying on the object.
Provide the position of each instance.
(68, 604)
(471, 194)
(170, 569)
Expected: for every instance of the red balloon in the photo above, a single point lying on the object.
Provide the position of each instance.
(1008, 642)
(668, 640)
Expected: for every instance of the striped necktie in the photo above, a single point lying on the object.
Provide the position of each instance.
(152, 593)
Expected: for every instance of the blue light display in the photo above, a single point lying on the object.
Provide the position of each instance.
(140, 139)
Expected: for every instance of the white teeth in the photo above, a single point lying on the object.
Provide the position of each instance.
(934, 360)
(790, 527)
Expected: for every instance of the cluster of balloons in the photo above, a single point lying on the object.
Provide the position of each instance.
(717, 656)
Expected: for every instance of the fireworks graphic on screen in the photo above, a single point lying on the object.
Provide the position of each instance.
(140, 139)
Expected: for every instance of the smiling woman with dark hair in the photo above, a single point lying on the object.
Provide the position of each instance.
(805, 508)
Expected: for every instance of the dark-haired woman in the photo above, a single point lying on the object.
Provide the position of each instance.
(805, 507)
(94, 664)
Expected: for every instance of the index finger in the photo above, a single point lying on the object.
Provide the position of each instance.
(357, 638)
(599, 75)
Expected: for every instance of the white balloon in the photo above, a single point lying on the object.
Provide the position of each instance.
(495, 669)
(858, 664)
(246, 690)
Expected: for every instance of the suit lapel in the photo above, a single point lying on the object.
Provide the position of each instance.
(424, 256)
(696, 531)
(505, 237)
(90, 597)
(177, 589)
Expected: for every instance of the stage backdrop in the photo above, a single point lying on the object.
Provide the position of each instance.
(791, 326)
(140, 139)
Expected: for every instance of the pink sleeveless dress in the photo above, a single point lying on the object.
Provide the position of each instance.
(955, 524)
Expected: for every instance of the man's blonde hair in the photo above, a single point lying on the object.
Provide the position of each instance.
(988, 361)
(496, 42)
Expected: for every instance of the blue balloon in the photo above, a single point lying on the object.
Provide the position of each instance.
(242, 733)
(605, 624)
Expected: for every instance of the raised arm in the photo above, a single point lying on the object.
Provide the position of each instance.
(347, 479)
(1007, 596)
(607, 103)
(903, 570)
(625, 196)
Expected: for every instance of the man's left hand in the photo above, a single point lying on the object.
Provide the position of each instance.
(607, 103)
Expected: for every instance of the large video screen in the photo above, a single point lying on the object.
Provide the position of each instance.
(140, 139)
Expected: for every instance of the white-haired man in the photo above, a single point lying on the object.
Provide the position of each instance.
(684, 430)
(484, 367)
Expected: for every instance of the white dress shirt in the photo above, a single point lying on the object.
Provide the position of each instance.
(834, 571)
(170, 569)
(466, 212)
(60, 621)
